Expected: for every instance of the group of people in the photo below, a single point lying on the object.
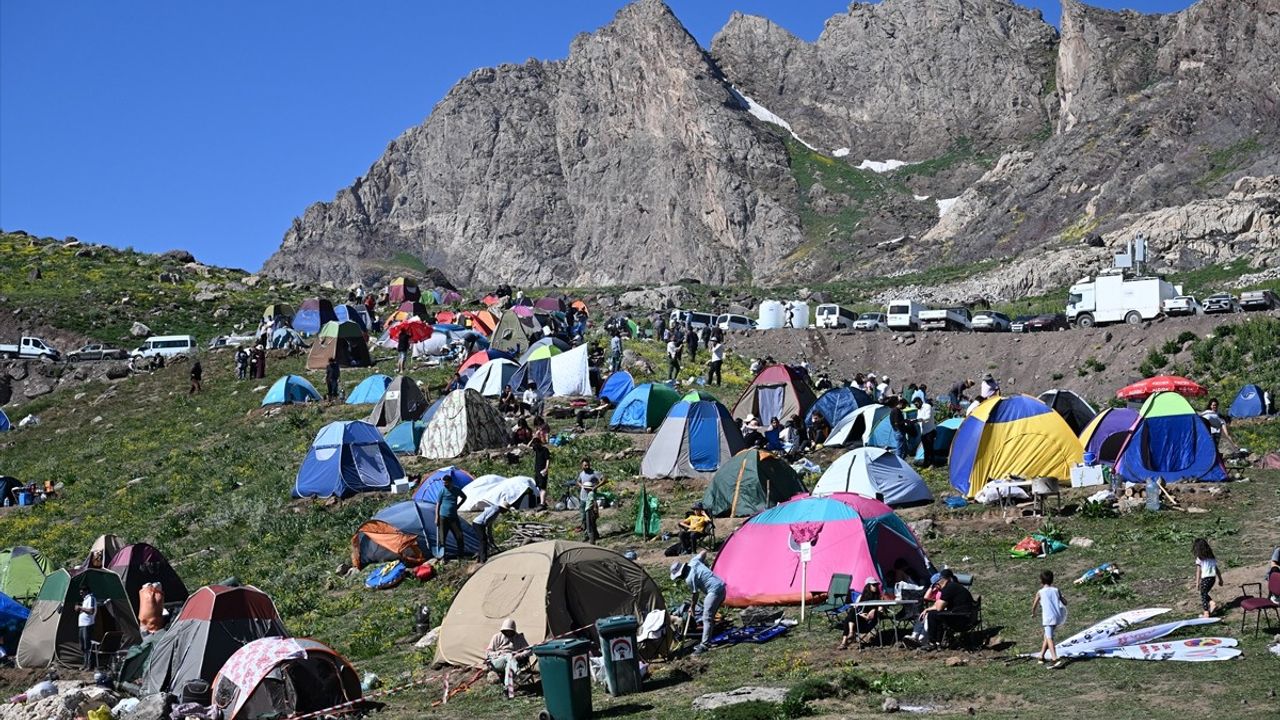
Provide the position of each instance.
(681, 338)
(252, 363)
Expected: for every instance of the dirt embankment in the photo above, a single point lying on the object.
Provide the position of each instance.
(1024, 362)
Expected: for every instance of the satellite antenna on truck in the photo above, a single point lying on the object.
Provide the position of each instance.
(1134, 257)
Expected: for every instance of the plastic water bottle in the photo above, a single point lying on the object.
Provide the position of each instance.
(1153, 494)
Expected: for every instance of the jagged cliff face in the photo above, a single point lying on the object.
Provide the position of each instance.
(634, 160)
(630, 160)
(909, 77)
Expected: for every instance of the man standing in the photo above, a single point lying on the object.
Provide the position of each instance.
(483, 525)
(699, 578)
(673, 359)
(928, 429)
(331, 375)
(447, 516)
(88, 611)
(541, 467)
(615, 352)
(898, 421)
(588, 481)
(717, 360)
(691, 340)
(242, 364)
(197, 374)
(402, 348)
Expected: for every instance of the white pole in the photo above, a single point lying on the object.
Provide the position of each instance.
(804, 585)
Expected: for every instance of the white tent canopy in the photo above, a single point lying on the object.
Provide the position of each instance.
(570, 374)
(489, 490)
(856, 426)
(875, 473)
(491, 377)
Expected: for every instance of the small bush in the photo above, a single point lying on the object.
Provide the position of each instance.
(1056, 376)
(750, 710)
(1187, 336)
(1171, 347)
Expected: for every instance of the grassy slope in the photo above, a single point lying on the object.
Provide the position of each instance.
(216, 472)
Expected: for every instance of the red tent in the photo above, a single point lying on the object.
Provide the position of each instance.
(1160, 383)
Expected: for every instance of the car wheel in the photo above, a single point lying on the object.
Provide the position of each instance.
(1133, 317)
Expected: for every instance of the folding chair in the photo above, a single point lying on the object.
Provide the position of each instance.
(838, 592)
(1259, 603)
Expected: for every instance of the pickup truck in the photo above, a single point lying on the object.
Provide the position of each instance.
(990, 321)
(1259, 300)
(1181, 305)
(957, 318)
(30, 347)
(95, 351)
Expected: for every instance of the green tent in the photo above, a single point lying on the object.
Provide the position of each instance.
(750, 482)
(699, 396)
(344, 329)
(22, 572)
(51, 637)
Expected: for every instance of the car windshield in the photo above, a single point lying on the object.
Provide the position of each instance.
(868, 316)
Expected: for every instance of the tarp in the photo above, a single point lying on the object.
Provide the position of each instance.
(1170, 442)
(401, 401)
(550, 589)
(281, 677)
(836, 404)
(570, 373)
(463, 424)
(22, 573)
(1251, 401)
(1015, 435)
(486, 490)
(778, 391)
(875, 473)
(1107, 434)
(644, 408)
(406, 532)
(347, 457)
(696, 438)
(616, 386)
(370, 390)
(760, 563)
(489, 379)
(1074, 409)
(290, 389)
(749, 482)
(51, 637)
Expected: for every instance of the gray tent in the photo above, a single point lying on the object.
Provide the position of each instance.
(1074, 409)
(512, 334)
(51, 635)
(464, 423)
(402, 401)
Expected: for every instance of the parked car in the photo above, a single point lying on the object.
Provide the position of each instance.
(231, 341)
(96, 351)
(1259, 300)
(990, 321)
(166, 345)
(1019, 324)
(871, 321)
(1221, 303)
(730, 321)
(1181, 305)
(29, 347)
(1047, 321)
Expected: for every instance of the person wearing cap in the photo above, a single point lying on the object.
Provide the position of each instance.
(859, 622)
(699, 578)
(588, 481)
(507, 652)
(696, 526)
(953, 608)
(483, 525)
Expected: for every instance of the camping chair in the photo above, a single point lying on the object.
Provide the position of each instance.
(955, 636)
(837, 599)
(107, 648)
(1259, 603)
(708, 537)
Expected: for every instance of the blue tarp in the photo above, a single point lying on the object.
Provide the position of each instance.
(370, 390)
(837, 403)
(347, 457)
(429, 489)
(616, 386)
(290, 389)
(1249, 402)
(13, 617)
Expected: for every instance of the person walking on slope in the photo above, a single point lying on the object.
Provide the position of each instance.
(1053, 613)
(331, 375)
(197, 375)
(588, 481)
(402, 348)
(673, 359)
(1207, 573)
(699, 578)
(714, 364)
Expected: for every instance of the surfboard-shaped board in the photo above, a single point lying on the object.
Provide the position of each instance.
(1133, 637)
(1208, 649)
(1112, 625)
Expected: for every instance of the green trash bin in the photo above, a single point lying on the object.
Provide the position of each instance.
(618, 646)
(565, 667)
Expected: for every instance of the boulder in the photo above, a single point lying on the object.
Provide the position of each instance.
(36, 387)
(181, 256)
(151, 707)
(890, 705)
(659, 298)
(139, 330)
(711, 701)
(206, 296)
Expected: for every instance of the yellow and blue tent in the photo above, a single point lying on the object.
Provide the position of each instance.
(1017, 435)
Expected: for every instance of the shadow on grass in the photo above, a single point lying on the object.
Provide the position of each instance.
(623, 710)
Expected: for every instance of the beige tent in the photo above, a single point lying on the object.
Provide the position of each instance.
(512, 334)
(550, 588)
(401, 401)
(464, 423)
(105, 549)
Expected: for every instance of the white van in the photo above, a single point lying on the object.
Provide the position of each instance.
(692, 318)
(904, 314)
(167, 346)
(830, 315)
(730, 321)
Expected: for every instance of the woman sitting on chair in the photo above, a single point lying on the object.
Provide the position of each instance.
(860, 622)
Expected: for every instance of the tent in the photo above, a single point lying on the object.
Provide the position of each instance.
(370, 390)
(8, 486)
(777, 392)
(749, 482)
(853, 535)
(836, 404)
(1074, 409)
(1169, 442)
(551, 303)
(290, 389)
(140, 564)
(489, 379)
(512, 334)
(353, 313)
(106, 545)
(696, 395)
(616, 386)
(406, 532)
(554, 346)
(644, 408)
(51, 637)
(463, 424)
(481, 321)
(695, 438)
(13, 616)
(404, 438)
(875, 473)
(277, 310)
(1014, 435)
(944, 433)
(571, 373)
(285, 337)
(401, 401)
(312, 315)
(5, 425)
(282, 677)
(535, 369)
(214, 623)
(1107, 434)
(550, 588)
(22, 573)
(429, 489)
(480, 357)
(486, 490)
(1251, 401)
(347, 457)
(868, 425)
(342, 340)
(402, 289)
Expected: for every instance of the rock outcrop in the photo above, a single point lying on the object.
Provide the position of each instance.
(630, 160)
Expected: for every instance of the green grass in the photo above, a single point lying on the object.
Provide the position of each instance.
(1228, 159)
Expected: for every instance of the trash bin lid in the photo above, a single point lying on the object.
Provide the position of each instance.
(617, 623)
(561, 648)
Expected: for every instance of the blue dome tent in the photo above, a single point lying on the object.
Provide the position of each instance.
(644, 408)
(5, 425)
(1170, 442)
(347, 457)
(290, 389)
(404, 438)
(370, 390)
(1251, 401)
(695, 438)
(616, 386)
(836, 404)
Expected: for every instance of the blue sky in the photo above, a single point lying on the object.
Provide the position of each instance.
(210, 126)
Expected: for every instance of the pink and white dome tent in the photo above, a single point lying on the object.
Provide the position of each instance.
(853, 535)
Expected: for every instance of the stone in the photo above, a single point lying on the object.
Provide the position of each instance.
(181, 256)
(1081, 542)
(151, 707)
(711, 701)
(921, 527)
(890, 705)
(36, 387)
(659, 298)
(429, 639)
(206, 296)
(956, 661)
(221, 313)
(138, 330)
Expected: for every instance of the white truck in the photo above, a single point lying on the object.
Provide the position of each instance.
(830, 315)
(903, 315)
(1112, 297)
(953, 318)
(30, 347)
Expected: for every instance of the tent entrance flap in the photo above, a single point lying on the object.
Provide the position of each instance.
(769, 400)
